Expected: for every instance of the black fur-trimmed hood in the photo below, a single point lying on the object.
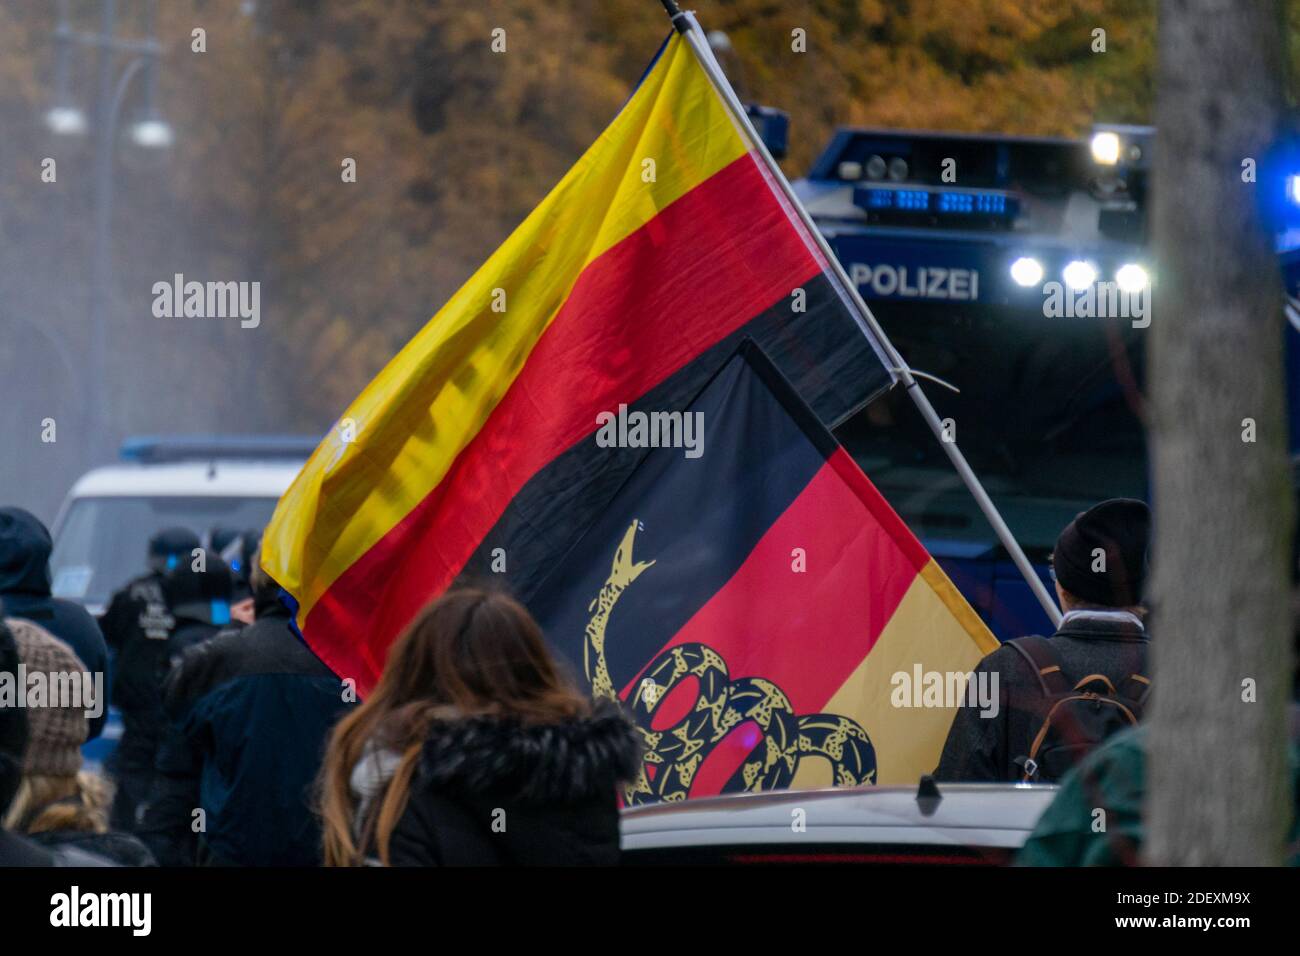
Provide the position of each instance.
(562, 762)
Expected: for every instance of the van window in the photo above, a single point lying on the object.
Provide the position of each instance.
(103, 542)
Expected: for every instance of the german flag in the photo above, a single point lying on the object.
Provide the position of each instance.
(753, 605)
(631, 284)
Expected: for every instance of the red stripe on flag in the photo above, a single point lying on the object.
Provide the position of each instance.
(698, 271)
(807, 631)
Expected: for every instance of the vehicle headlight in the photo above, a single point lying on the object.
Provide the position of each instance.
(1105, 148)
(1131, 277)
(1079, 274)
(1027, 271)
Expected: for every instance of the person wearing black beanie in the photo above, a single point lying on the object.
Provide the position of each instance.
(1100, 558)
(1100, 567)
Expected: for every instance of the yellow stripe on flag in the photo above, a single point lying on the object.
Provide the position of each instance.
(932, 627)
(421, 411)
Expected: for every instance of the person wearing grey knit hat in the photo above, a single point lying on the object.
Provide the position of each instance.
(56, 728)
(58, 804)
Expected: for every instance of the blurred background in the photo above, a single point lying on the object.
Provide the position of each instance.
(226, 165)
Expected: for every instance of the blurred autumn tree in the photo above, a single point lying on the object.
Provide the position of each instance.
(453, 145)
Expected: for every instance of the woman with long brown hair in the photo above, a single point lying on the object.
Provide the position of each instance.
(473, 748)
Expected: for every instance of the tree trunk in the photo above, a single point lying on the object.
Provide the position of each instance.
(1218, 792)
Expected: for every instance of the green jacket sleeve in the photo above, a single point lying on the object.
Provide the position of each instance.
(1096, 817)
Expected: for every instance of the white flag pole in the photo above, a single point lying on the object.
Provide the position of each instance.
(686, 24)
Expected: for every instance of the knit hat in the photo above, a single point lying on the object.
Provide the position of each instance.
(55, 733)
(1101, 556)
(13, 725)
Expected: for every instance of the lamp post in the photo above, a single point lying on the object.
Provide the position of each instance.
(150, 132)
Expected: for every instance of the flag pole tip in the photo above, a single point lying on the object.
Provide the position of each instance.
(675, 14)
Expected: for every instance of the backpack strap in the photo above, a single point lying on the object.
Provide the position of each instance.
(1136, 688)
(1099, 678)
(1042, 660)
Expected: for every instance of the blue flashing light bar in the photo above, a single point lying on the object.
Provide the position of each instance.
(917, 200)
(986, 203)
(153, 449)
(939, 202)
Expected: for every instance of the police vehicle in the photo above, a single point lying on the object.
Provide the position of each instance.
(211, 485)
(208, 485)
(1013, 272)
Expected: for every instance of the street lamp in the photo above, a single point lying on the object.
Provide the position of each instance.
(151, 131)
(66, 120)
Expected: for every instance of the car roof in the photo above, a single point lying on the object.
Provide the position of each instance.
(983, 815)
(217, 478)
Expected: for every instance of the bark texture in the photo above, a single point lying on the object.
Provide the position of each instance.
(1218, 793)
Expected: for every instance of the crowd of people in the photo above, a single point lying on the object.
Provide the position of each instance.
(241, 748)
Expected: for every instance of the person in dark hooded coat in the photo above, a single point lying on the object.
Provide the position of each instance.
(474, 750)
(25, 546)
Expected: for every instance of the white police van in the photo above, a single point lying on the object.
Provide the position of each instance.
(205, 484)
(102, 532)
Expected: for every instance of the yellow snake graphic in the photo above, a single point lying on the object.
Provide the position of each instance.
(720, 705)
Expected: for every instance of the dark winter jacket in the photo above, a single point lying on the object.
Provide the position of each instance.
(121, 849)
(141, 674)
(136, 627)
(144, 721)
(18, 850)
(982, 749)
(249, 713)
(25, 592)
(497, 791)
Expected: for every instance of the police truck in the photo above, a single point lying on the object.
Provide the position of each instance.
(1013, 275)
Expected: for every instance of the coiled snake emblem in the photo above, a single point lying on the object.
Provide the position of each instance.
(721, 704)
